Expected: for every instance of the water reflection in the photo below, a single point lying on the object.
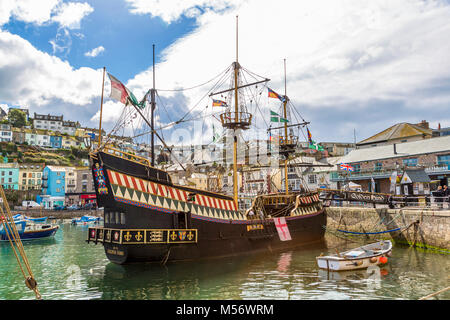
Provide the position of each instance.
(66, 267)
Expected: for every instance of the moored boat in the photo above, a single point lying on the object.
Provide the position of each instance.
(359, 258)
(35, 220)
(86, 220)
(30, 231)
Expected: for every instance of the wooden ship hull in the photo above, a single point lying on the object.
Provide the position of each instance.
(149, 219)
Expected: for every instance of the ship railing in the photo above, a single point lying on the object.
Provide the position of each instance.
(398, 201)
(126, 155)
(235, 120)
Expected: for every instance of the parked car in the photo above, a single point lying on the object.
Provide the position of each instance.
(89, 206)
(74, 207)
(59, 208)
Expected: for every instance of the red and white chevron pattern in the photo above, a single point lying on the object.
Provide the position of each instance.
(167, 192)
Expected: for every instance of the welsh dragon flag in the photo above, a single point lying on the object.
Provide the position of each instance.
(120, 93)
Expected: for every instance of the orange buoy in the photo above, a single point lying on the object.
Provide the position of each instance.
(383, 259)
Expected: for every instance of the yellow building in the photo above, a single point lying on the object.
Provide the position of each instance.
(198, 181)
(30, 176)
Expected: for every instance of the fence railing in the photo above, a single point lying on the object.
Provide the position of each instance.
(410, 202)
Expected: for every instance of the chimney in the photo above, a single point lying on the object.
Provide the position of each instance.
(424, 124)
(395, 148)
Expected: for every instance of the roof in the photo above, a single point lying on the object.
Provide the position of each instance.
(56, 168)
(415, 176)
(433, 145)
(397, 131)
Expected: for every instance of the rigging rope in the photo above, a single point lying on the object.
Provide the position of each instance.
(14, 238)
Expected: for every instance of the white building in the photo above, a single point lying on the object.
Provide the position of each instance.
(6, 134)
(48, 122)
(37, 138)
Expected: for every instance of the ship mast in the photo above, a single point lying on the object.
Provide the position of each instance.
(153, 105)
(285, 132)
(236, 119)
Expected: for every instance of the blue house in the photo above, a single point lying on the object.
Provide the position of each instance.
(53, 187)
(9, 175)
(56, 142)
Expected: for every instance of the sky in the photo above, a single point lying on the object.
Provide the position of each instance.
(353, 67)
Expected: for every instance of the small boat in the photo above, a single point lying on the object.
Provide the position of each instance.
(359, 258)
(86, 219)
(29, 231)
(36, 220)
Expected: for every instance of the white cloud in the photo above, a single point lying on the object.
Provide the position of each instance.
(31, 77)
(94, 52)
(30, 11)
(340, 54)
(172, 10)
(70, 14)
(40, 12)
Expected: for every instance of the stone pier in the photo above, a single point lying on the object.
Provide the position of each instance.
(418, 227)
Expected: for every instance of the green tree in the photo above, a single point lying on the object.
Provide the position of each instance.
(17, 118)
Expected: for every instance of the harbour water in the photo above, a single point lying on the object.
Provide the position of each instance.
(66, 267)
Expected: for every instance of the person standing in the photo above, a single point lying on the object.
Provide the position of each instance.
(438, 194)
(445, 193)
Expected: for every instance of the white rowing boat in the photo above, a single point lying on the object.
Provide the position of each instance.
(358, 258)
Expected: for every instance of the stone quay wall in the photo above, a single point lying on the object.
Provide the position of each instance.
(418, 227)
(62, 214)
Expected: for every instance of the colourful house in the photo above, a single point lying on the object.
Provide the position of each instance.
(53, 187)
(9, 175)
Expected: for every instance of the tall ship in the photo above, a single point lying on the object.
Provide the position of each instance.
(149, 218)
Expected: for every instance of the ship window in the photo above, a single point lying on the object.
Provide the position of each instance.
(117, 217)
(122, 217)
(106, 217)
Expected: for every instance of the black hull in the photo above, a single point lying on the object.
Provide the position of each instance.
(137, 207)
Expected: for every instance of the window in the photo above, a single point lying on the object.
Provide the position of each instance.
(312, 179)
(24, 181)
(356, 168)
(24, 175)
(58, 190)
(410, 162)
(10, 180)
(10, 173)
(378, 166)
(443, 160)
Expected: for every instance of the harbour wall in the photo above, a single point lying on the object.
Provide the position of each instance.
(63, 214)
(418, 227)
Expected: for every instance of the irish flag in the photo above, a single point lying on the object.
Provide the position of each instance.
(120, 93)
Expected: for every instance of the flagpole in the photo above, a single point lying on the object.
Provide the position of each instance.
(236, 108)
(152, 111)
(101, 112)
(286, 184)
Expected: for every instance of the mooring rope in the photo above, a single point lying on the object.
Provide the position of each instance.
(379, 232)
(14, 238)
(433, 294)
